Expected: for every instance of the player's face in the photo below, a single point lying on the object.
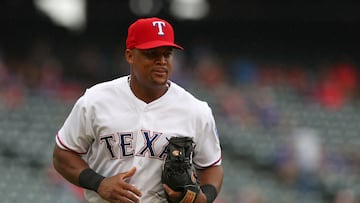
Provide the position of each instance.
(151, 67)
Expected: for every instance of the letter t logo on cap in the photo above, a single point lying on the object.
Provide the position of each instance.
(160, 25)
(149, 33)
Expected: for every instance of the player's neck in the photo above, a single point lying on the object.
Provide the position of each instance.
(147, 94)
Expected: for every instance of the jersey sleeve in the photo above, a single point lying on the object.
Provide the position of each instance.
(75, 134)
(207, 150)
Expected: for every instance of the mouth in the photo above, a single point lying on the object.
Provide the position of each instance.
(159, 75)
(160, 72)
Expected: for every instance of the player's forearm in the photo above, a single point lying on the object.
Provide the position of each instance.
(210, 180)
(201, 198)
(212, 175)
(68, 164)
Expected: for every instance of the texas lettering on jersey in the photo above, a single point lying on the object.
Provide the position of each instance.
(122, 145)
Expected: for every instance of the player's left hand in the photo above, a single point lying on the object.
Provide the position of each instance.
(175, 196)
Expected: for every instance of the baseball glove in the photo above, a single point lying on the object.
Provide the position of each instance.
(178, 172)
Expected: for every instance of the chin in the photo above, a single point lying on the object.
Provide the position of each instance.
(160, 80)
(160, 84)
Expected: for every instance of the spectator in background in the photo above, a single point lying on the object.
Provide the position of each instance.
(300, 160)
(211, 75)
(338, 83)
(308, 156)
(345, 196)
(244, 72)
(51, 77)
(249, 195)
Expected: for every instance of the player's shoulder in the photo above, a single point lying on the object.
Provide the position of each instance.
(108, 84)
(188, 98)
(106, 87)
(104, 91)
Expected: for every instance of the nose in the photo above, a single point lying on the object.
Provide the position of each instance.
(161, 59)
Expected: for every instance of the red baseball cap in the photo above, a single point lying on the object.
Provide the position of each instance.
(148, 33)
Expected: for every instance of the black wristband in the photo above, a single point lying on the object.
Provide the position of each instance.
(210, 192)
(89, 179)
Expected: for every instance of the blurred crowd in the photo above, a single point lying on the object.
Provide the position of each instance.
(331, 82)
(239, 87)
(245, 97)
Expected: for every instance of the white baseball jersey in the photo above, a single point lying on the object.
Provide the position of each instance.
(113, 130)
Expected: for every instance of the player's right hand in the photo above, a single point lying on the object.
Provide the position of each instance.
(115, 188)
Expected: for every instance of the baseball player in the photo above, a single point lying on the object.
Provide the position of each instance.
(113, 143)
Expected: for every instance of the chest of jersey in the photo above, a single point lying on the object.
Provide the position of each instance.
(124, 130)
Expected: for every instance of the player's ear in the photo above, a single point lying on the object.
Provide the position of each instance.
(129, 55)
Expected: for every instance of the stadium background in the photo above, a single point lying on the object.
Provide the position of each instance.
(282, 78)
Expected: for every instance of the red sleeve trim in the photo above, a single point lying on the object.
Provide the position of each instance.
(66, 147)
(212, 164)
